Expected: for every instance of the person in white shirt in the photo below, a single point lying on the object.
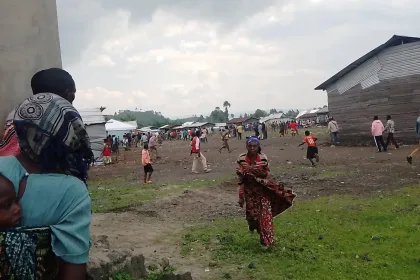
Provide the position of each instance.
(333, 130)
(144, 139)
(152, 145)
(198, 156)
(390, 128)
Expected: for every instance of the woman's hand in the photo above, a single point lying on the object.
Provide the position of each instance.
(241, 202)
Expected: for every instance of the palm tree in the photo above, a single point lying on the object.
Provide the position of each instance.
(226, 104)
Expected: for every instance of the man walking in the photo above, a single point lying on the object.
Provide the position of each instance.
(152, 146)
(390, 128)
(240, 129)
(260, 131)
(413, 153)
(225, 139)
(377, 131)
(333, 130)
(198, 156)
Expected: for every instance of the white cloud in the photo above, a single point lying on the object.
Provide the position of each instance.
(189, 57)
(102, 60)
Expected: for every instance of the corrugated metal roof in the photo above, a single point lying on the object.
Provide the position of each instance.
(272, 117)
(323, 110)
(301, 113)
(149, 128)
(200, 124)
(187, 124)
(241, 120)
(92, 116)
(394, 41)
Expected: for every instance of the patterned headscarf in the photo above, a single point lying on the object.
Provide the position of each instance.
(254, 139)
(251, 139)
(52, 133)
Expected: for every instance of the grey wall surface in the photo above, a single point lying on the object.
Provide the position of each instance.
(29, 42)
(395, 62)
(388, 83)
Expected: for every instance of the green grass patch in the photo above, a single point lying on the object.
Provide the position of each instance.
(162, 274)
(339, 237)
(117, 194)
(122, 276)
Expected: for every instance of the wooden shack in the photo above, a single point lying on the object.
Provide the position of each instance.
(385, 81)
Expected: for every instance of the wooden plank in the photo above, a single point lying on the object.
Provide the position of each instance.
(354, 109)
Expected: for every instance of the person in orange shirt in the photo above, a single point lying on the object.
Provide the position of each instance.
(312, 152)
(147, 164)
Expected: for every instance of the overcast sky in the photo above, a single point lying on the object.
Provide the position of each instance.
(185, 57)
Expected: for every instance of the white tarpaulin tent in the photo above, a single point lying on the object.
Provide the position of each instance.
(95, 127)
(117, 128)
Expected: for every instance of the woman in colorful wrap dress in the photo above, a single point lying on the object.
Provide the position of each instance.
(264, 199)
(45, 204)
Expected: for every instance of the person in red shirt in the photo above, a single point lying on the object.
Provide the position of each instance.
(198, 156)
(106, 153)
(293, 128)
(312, 152)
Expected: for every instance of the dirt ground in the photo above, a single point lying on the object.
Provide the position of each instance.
(149, 228)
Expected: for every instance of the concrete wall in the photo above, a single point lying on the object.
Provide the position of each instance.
(29, 42)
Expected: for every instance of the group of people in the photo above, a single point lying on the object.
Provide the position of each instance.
(378, 129)
(187, 134)
(44, 201)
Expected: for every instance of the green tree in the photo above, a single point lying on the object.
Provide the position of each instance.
(273, 111)
(128, 118)
(200, 118)
(226, 104)
(217, 115)
(291, 114)
(260, 113)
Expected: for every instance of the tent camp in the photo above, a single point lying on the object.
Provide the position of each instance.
(95, 126)
(117, 128)
(133, 123)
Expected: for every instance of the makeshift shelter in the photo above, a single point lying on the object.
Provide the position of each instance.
(272, 118)
(95, 127)
(117, 128)
(133, 123)
(243, 121)
(385, 81)
(149, 129)
(322, 115)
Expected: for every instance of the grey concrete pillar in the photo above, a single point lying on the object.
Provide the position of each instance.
(29, 42)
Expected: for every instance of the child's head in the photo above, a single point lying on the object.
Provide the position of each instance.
(307, 133)
(145, 146)
(375, 118)
(10, 209)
